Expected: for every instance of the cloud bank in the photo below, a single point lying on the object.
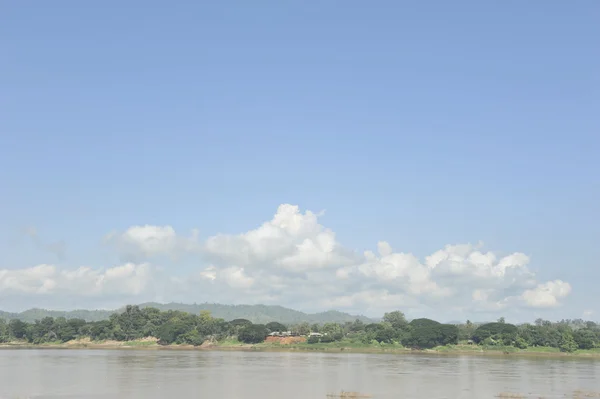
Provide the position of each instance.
(293, 260)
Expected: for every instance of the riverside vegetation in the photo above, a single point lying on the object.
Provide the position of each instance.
(148, 326)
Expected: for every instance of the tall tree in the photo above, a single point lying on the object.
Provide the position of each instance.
(396, 319)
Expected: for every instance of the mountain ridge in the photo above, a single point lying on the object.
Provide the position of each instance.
(254, 313)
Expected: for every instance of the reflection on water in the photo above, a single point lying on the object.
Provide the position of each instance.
(147, 374)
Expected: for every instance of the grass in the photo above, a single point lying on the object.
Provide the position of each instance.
(595, 351)
(461, 348)
(229, 343)
(338, 346)
(347, 345)
(140, 343)
(541, 349)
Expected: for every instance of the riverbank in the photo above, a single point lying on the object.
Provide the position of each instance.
(334, 347)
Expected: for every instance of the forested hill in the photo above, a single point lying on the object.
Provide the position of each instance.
(255, 313)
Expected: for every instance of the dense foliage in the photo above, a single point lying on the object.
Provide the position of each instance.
(253, 333)
(178, 327)
(430, 335)
(495, 332)
(255, 313)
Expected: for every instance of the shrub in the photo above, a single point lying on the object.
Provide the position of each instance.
(327, 339)
(585, 338)
(386, 335)
(521, 343)
(312, 340)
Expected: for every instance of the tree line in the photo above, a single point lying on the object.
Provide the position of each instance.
(178, 327)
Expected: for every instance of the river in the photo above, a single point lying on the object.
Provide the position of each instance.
(173, 374)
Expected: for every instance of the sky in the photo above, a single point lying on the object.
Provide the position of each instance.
(438, 158)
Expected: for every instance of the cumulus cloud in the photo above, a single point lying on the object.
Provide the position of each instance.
(148, 241)
(293, 257)
(547, 294)
(293, 260)
(291, 240)
(127, 279)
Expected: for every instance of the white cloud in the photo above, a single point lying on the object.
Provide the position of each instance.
(236, 278)
(148, 241)
(291, 240)
(547, 295)
(293, 260)
(34, 280)
(128, 279)
(308, 264)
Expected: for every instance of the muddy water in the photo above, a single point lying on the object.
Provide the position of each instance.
(147, 374)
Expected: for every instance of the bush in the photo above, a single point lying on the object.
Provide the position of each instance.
(585, 338)
(521, 343)
(170, 332)
(327, 339)
(312, 340)
(385, 335)
(192, 338)
(567, 343)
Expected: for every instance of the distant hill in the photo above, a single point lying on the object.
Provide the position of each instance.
(254, 313)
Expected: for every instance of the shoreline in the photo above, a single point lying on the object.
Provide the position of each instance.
(442, 351)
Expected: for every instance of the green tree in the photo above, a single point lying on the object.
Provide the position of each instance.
(132, 321)
(240, 322)
(17, 329)
(192, 337)
(422, 337)
(429, 334)
(69, 329)
(585, 338)
(333, 330)
(276, 327)
(3, 331)
(465, 331)
(312, 340)
(503, 332)
(171, 331)
(396, 319)
(448, 334)
(521, 343)
(386, 335)
(567, 343)
(301, 329)
(357, 326)
(423, 322)
(101, 330)
(253, 334)
(236, 325)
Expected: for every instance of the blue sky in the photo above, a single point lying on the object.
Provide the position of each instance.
(421, 125)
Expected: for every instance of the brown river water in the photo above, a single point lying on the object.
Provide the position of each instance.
(148, 374)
